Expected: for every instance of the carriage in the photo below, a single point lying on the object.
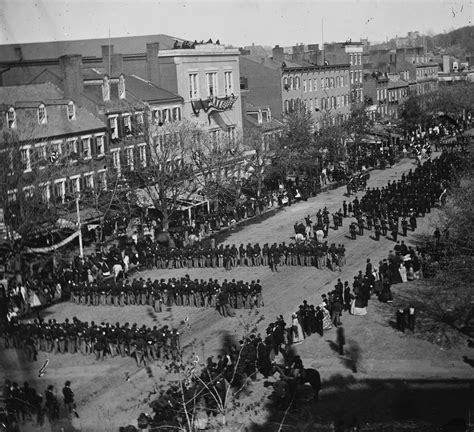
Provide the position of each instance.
(358, 182)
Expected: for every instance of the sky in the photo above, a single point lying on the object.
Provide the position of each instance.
(235, 22)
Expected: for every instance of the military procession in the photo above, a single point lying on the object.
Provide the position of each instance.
(102, 340)
(174, 292)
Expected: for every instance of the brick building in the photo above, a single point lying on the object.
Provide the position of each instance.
(51, 129)
(348, 53)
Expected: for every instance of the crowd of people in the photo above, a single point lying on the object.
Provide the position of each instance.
(173, 292)
(102, 340)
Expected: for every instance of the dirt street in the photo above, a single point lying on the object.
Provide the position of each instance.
(106, 400)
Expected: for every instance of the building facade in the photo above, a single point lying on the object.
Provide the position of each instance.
(325, 91)
(348, 53)
(207, 77)
(62, 145)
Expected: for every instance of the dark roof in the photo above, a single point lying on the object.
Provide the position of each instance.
(86, 47)
(273, 124)
(26, 100)
(137, 90)
(397, 84)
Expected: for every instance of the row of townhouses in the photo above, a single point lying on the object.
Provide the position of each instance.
(88, 101)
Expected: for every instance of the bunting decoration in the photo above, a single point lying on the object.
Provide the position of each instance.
(213, 104)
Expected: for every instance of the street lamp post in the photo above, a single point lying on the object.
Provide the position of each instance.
(81, 249)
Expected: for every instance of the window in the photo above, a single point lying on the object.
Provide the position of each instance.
(316, 104)
(127, 124)
(116, 160)
(74, 186)
(231, 134)
(331, 82)
(352, 77)
(130, 156)
(287, 106)
(360, 58)
(41, 152)
(328, 83)
(193, 86)
(102, 179)
(142, 155)
(71, 111)
(176, 114)
(228, 88)
(311, 105)
(211, 81)
(214, 136)
(28, 191)
(297, 83)
(106, 88)
(315, 86)
(121, 87)
(25, 158)
(60, 189)
(11, 195)
(71, 146)
(139, 123)
(304, 86)
(86, 148)
(113, 127)
(89, 180)
(310, 85)
(11, 118)
(292, 83)
(351, 59)
(42, 119)
(99, 144)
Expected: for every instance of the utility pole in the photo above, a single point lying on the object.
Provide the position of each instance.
(81, 250)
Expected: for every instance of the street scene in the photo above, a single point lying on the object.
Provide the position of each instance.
(213, 235)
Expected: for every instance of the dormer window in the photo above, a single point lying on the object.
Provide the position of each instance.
(106, 88)
(42, 118)
(11, 118)
(71, 111)
(121, 87)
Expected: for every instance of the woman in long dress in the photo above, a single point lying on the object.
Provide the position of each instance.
(327, 321)
(298, 335)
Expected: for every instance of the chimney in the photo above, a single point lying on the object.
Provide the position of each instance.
(107, 51)
(152, 65)
(71, 68)
(116, 64)
(278, 54)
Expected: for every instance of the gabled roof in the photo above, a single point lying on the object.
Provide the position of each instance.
(86, 47)
(26, 100)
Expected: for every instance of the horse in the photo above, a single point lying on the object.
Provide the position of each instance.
(301, 376)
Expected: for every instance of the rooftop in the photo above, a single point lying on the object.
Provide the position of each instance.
(26, 100)
(86, 47)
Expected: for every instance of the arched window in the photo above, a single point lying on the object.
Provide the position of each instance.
(11, 118)
(42, 115)
(287, 106)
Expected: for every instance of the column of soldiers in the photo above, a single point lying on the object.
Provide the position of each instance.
(102, 340)
(395, 208)
(230, 256)
(174, 292)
